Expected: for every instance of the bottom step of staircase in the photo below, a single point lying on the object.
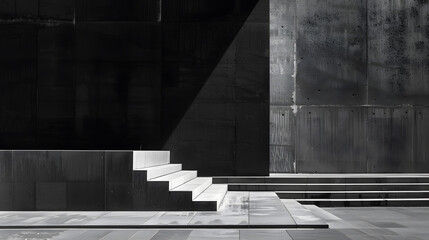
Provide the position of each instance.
(368, 202)
(215, 193)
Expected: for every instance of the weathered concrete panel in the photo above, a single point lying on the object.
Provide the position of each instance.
(421, 140)
(390, 139)
(282, 139)
(398, 45)
(331, 139)
(282, 51)
(331, 52)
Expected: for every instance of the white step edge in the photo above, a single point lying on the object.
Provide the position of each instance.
(196, 186)
(361, 199)
(216, 192)
(158, 171)
(145, 159)
(176, 179)
(372, 191)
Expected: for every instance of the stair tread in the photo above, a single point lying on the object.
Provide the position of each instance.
(173, 176)
(374, 191)
(157, 167)
(216, 192)
(158, 171)
(143, 159)
(362, 199)
(328, 184)
(193, 184)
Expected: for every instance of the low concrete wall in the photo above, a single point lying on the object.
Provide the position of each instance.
(66, 180)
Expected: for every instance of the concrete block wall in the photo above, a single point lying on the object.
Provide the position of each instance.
(349, 89)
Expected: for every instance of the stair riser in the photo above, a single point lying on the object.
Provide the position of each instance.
(320, 180)
(327, 187)
(367, 203)
(350, 195)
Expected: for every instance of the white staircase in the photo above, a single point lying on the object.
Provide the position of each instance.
(165, 186)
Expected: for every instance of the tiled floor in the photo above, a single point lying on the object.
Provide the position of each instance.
(377, 223)
(239, 209)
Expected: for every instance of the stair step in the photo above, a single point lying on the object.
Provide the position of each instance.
(351, 194)
(326, 178)
(196, 186)
(369, 202)
(329, 187)
(158, 171)
(146, 159)
(216, 192)
(176, 179)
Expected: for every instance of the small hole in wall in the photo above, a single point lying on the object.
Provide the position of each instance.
(309, 112)
(308, 98)
(353, 94)
(282, 26)
(373, 113)
(318, 90)
(283, 114)
(353, 111)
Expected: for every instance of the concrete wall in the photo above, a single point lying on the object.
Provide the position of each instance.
(349, 86)
(190, 76)
(66, 180)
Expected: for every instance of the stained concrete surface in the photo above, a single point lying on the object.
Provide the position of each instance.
(238, 210)
(348, 86)
(345, 224)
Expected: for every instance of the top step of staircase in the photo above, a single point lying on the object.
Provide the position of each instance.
(327, 178)
(146, 159)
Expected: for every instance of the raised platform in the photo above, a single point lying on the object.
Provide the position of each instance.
(340, 190)
(238, 210)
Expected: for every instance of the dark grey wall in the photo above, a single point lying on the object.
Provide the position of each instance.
(190, 76)
(349, 86)
(66, 180)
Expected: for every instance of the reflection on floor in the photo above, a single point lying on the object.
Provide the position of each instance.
(365, 223)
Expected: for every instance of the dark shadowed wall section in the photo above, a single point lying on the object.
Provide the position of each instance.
(183, 75)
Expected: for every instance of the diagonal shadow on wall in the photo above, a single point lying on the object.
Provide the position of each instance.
(215, 75)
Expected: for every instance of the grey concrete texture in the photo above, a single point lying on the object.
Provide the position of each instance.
(66, 180)
(344, 223)
(349, 88)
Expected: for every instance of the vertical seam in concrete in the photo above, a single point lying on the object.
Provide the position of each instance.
(367, 48)
(295, 106)
(367, 83)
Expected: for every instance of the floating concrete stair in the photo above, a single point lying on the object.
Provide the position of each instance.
(158, 171)
(159, 185)
(340, 190)
(215, 192)
(196, 186)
